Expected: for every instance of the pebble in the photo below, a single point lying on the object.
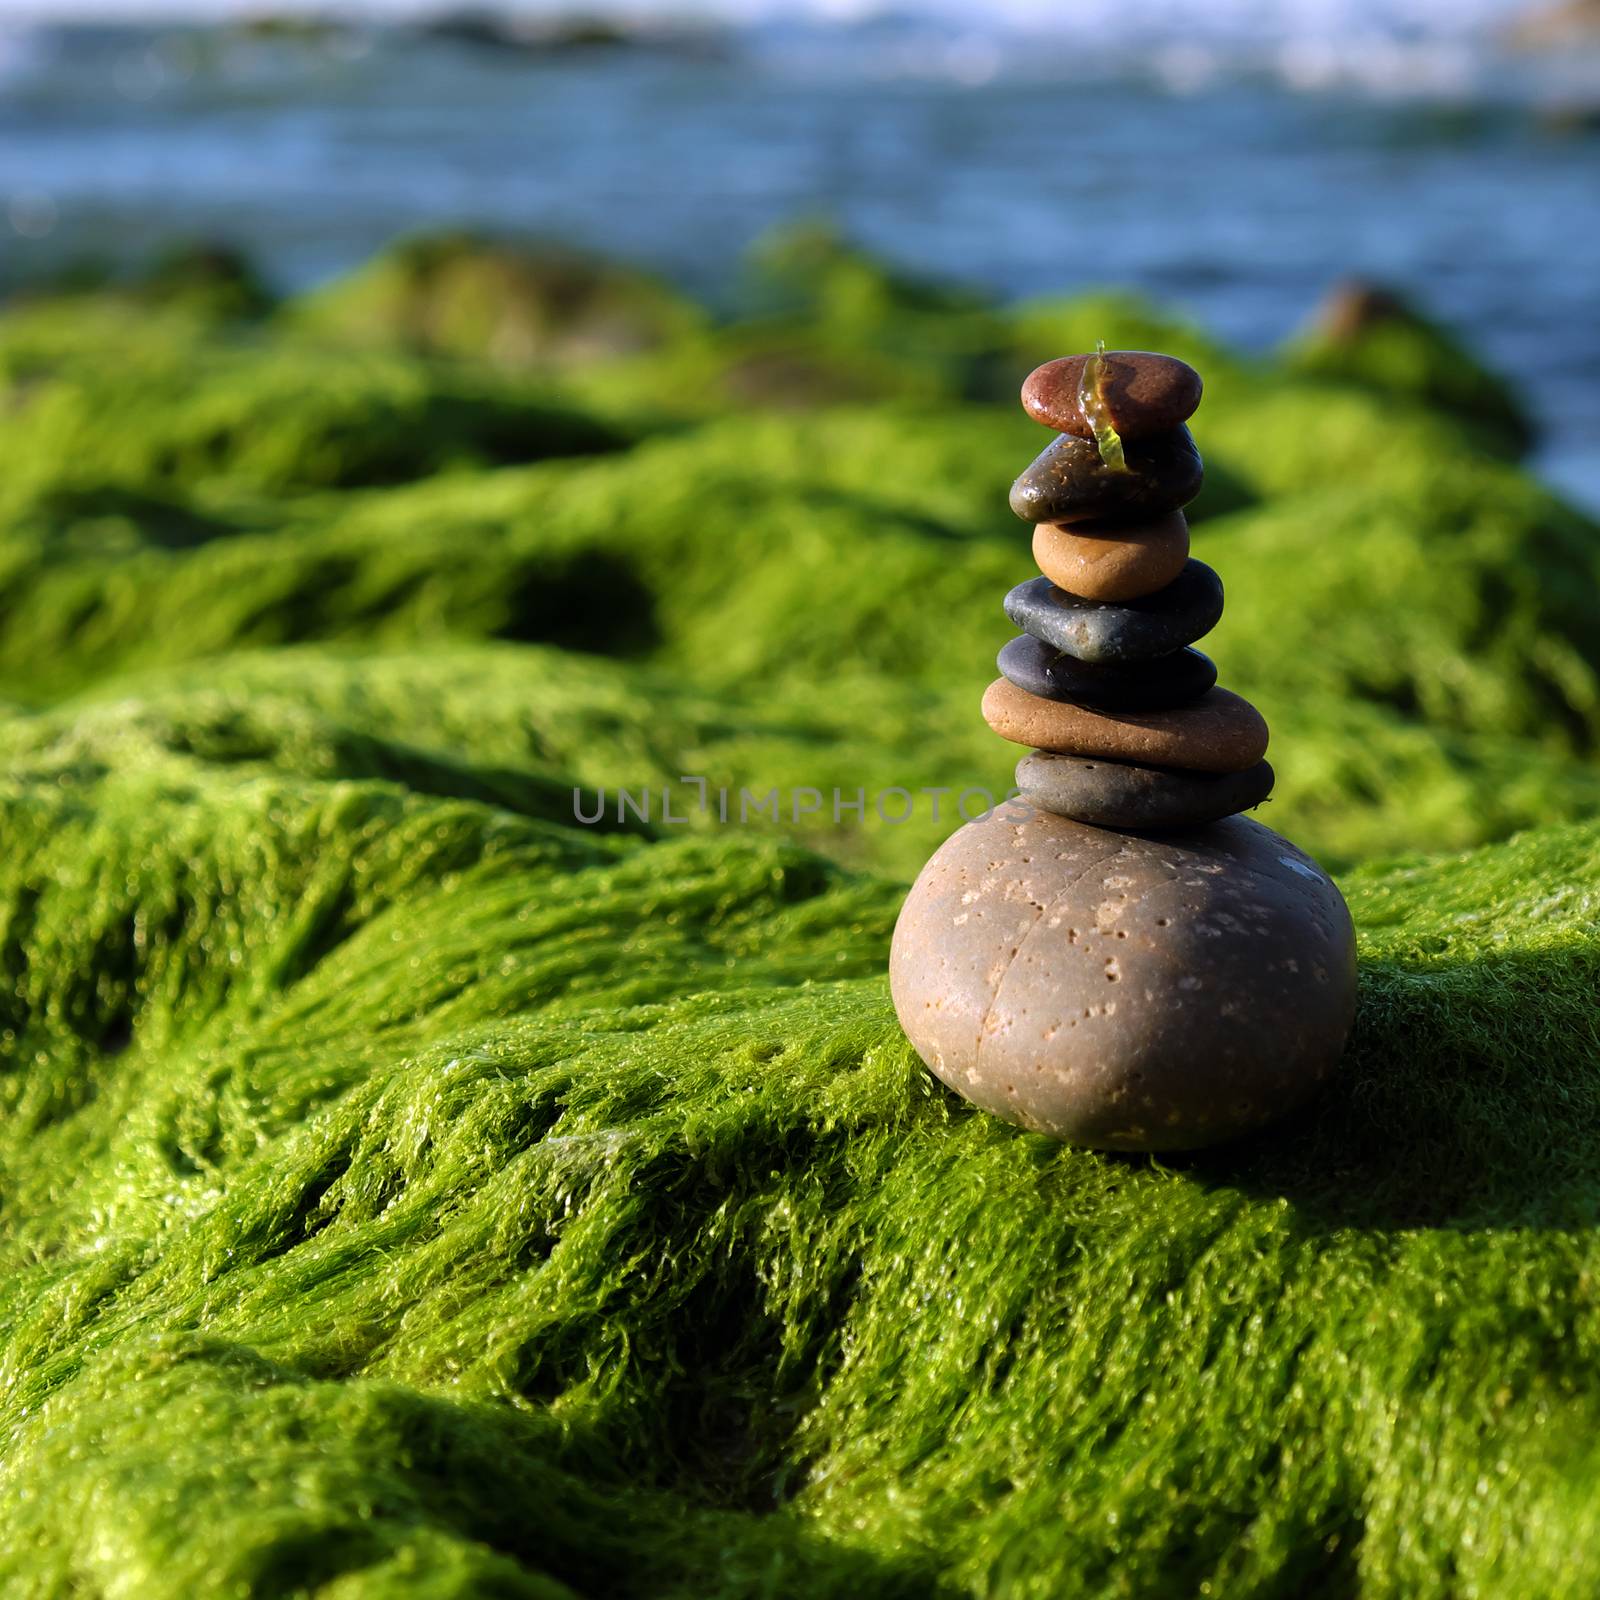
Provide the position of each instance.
(1117, 794)
(1112, 561)
(1120, 631)
(1125, 991)
(1069, 481)
(1219, 732)
(1043, 670)
(1142, 393)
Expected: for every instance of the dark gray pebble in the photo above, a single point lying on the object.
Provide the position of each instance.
(1069, 481)
(1118, 631)
(1172, 680)
(1117, 794)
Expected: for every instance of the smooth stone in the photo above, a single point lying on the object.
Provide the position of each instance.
(1118, 794)
(1106, 561)
(1219, 732)
(1116, 631)
(1125, 991)
(1043, 670)
(1142, 392)
(1069, 481)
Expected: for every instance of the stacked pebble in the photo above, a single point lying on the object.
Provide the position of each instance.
(1127, 726)
(1120, 960)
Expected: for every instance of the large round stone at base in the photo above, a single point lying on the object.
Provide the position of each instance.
(1122, 990)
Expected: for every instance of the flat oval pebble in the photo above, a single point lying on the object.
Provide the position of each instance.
(1219, 732)
(1143, 393)
(1118, 794)
(1112, 561)
(1043, 670)
(1125, 991)
(1115, 631)
(1069, 481)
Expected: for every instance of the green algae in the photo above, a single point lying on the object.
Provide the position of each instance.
(1376, 340)
(521, 726)
(407, 1190)
(276, 421)
(508, 303)
(1091, 401)
(424, 1200)
(727, 570)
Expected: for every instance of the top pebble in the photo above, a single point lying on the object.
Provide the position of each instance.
(1143, 393)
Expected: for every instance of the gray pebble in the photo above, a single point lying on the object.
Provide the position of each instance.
(1172, 680)
(1118, 794)
(1117, 631)
(1120, 990)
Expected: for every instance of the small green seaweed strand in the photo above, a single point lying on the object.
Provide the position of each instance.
(1091, 397)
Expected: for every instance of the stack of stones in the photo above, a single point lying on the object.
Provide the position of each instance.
(1118, 959)
(1127, 726)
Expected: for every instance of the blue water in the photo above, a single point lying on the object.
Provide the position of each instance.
(1236, 183)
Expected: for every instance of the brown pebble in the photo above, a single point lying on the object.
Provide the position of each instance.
(1124, 991)
(1107, 561)
(1219, 732)
(1143, 393)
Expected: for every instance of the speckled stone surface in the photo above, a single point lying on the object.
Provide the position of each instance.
(1112, 631)
(1143, 393)
(1069, 481)
(1120, 794)
(1112, 561)
(1167, 681)
(1125, 991)
(1219, 732)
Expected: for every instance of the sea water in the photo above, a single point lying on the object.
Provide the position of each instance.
(1232, 161)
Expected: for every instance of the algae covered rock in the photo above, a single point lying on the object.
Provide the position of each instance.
(516, 304)
(333, 1105)
(1467, 606)
(1457, 717)
(858, 327)
(814, 271)
(1369, 335)
(197, 500)
(387, 1151)
(286, 421)
(208, 280)
(212, 279)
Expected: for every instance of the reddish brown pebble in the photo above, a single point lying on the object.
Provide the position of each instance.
(1142, 393)
(1106, 561)
(1219, 732)
(1123, 991)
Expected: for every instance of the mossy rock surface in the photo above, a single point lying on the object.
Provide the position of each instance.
(410, 1189)
(270, 420)
(382, 1164)
(1369, 336)
(507, 303)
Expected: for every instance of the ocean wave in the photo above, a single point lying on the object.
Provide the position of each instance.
(1392, 49)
